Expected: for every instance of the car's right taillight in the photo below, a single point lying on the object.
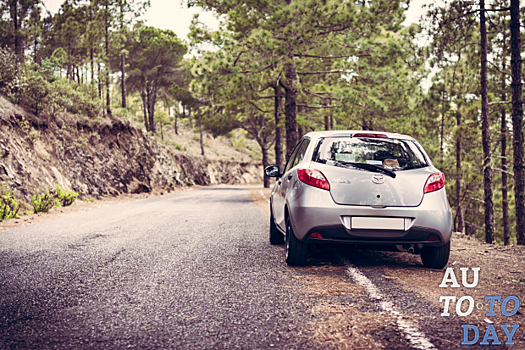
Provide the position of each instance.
(314, 178)
(434, 182)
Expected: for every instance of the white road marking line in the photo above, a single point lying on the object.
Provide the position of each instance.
(262, 195)
(415, 337)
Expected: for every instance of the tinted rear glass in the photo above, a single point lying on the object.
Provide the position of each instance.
(389, 153)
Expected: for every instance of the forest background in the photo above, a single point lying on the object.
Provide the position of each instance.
(280, 68)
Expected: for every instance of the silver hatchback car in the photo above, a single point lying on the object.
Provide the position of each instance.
(371, 189)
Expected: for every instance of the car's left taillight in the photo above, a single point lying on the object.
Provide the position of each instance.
(434, 182)
(314, 178)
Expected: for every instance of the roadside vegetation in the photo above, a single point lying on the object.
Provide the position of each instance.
(58, 197)
(9, 206)
(281, 69)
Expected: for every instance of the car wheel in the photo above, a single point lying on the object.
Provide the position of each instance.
(436, 257)
(275, 235)
(296, 251)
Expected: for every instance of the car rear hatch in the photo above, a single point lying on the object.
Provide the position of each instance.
(363, 187)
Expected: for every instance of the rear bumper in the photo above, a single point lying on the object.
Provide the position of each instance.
(313, 210)
(416, 236)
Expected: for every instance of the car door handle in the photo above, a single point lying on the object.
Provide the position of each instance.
(289, 177)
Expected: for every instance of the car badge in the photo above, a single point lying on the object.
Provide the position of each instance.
(378, 179)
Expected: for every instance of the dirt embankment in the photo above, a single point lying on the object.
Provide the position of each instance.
(99, 157)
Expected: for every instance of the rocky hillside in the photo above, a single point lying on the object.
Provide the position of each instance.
(96, 157)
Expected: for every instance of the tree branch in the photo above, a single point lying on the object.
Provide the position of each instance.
(314, 107)
(258, 108)
(497, 68)
(499, 103)
(271, 65)
(266, 97)
(341, 56)
(318, 94)
(322, 72)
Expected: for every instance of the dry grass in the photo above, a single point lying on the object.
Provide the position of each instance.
(339, 326)
(345, 327)
(501, 274)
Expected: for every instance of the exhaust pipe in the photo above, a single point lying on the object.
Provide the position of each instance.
(411, 250)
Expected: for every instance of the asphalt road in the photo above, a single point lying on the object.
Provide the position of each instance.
(192, 270)
(195, 270)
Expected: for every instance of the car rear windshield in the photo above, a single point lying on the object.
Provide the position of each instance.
(394, 154)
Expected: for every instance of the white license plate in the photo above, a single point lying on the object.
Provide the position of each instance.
(375, 223)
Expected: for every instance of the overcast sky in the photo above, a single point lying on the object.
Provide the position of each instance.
(170, 14)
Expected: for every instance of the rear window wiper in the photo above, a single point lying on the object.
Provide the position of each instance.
(371, 167)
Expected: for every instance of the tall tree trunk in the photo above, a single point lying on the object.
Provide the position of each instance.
(442, 129)
(123, 79)
(290, 107)
(189, 118)
(35, 48)
(326, 123)
(504, 185)
(69, 74)
(108, 96)
(459, 209)
(300, 132)
(331, 115)
(517, 120)
(151, 94)
(278, 128)
(145, 108)
(175, 127)
(122, 59)
(91, 49)
(200, 136)
(92, 58)
(13, 7)
(258, 133)
(152, 98)
(265, 163)
(485, 125)
(504, 190)
(99, 80)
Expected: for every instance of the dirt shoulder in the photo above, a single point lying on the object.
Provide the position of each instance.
(345, 317)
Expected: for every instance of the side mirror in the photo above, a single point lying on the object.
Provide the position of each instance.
(272, 171)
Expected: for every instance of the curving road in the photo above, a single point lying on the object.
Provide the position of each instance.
(186, 271)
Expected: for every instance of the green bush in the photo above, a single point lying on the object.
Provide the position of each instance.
(9, 206)
(66, 198)
(73, 97)
(36, 86)
(44, 202)
(35, 93)
(10, 82)
(240, 144)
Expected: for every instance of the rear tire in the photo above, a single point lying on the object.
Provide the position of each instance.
(276, 237)
(296, 251)
(435, 257)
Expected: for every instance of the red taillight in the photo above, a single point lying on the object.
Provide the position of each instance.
(435, 182)
(371, 135)
(314, 178)
(316, 235)
(433, 238)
